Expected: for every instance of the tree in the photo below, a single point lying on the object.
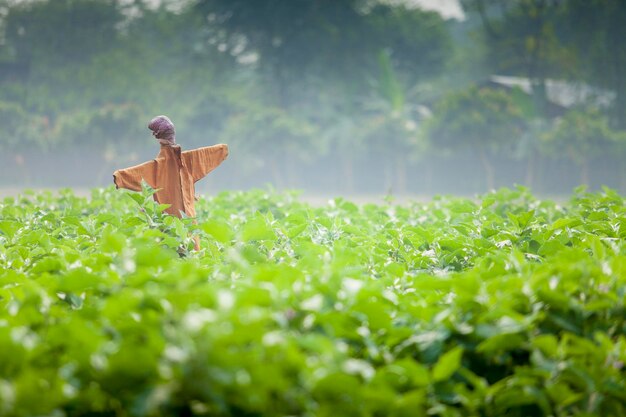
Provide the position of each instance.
(389, 128)
(581, 135)
(45, 35)
(270, 137)
(596, 30)
(46, 45)
(578, 40)
(318, 62)
(286, 71)
(96, 75)
(92, 72)
(523, 40)
(481, 119)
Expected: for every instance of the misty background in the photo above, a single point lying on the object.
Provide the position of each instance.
(350, 97)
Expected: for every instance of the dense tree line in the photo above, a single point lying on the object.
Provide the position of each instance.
(369, 87)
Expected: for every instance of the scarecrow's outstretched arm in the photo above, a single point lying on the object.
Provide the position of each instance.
(204, 160)
(130, 178)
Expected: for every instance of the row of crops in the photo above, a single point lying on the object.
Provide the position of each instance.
(504, 305)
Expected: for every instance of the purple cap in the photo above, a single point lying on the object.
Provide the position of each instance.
(163, 129)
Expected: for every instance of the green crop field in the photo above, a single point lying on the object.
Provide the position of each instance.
(503, 305)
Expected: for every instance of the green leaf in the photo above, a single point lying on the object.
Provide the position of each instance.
(565, 222)
(547, 343)
(447, 364)
(136, 197)
(77, 281)
(218, 229)
(112, 241)
(294, 231)
(257, 229)
(9, 227)
(47, 264)
(500, 342)
(410, 404)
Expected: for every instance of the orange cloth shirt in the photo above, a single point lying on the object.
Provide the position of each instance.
(173, 174)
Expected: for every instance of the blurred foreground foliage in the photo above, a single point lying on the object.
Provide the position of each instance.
(504, 305)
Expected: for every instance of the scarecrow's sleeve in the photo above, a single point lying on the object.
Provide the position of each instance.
(130, 178)
(204, 160)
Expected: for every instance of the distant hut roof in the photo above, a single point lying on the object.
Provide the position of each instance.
(561, 95)
(565, 94)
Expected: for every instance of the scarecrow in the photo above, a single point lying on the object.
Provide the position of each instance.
(173, 172)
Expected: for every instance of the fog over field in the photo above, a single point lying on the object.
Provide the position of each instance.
(357, 98)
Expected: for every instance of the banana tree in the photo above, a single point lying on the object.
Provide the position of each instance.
(390, 125)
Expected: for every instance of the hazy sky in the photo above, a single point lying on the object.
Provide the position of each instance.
(447, 8)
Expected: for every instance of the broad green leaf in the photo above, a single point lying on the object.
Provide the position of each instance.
(219, 230)
(447, 364)
(565, 222)
(9, 227)
(48, 264)
(257, 229)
